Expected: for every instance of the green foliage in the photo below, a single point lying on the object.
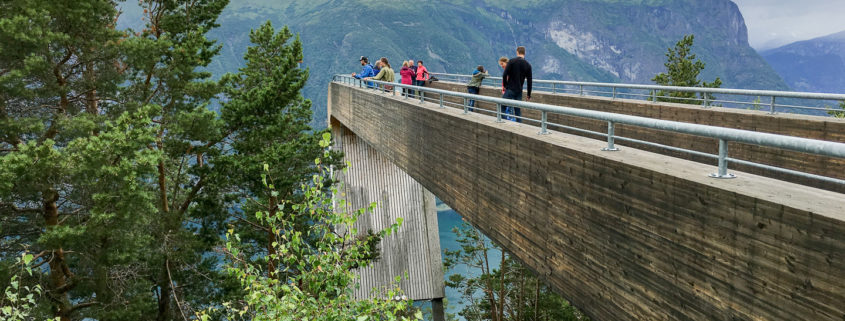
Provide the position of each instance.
(310, 280)
(116, 170)
(511, 292)
(682, 70)
(838, 113)
(756, 104)
(18, 301)
(269, 124)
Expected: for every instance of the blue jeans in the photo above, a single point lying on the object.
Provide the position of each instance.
(516, 112)
(474, 91)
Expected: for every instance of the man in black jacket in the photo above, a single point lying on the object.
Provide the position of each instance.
(516, 72)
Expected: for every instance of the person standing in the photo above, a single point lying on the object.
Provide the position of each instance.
(503, 62)
(407, 78)
(422, 73)
(385, 74)
(474, 84)
(366, 70)
(377, 67)
(517, 71)
(413, 67)
(504, 110)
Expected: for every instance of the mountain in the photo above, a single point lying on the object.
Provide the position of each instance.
(816, 65)
(585, 40)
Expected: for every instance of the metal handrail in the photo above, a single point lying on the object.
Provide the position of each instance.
(724, 135)
(727, 91)
(654, 89)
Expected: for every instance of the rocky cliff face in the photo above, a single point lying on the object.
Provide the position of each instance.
(587, 40)
(628, 39)
(816, 65)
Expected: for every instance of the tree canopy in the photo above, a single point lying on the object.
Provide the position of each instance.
(682, 70)
(124, 165)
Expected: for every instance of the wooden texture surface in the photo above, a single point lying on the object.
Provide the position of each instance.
(814, 127)
(628, 235)
(412, 253)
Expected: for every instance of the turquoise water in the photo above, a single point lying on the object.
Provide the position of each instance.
(447, 219)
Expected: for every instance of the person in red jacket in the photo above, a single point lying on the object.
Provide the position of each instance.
(422, 74)
(407, 78)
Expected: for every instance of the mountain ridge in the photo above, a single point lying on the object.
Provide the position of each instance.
(815, 65)
(585, 40)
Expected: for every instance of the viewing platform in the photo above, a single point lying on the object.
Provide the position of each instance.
(623, 205)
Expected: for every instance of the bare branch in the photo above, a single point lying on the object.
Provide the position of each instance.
(172, 286)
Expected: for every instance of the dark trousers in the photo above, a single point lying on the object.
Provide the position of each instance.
(474, 91)
(407, 92)
(517, 112)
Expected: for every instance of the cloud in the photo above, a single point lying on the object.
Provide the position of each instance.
(772, 23)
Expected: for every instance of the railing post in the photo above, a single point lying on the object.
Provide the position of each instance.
(441, 101)
(554, 88)
(653, 96)
(611, 131)
(614, 93)
(706, 101)
(394, 90)
(466, 108)
(772, 106)
(498, 113)
(543, 121)
(422, 97)
(723, 161)
(581, 89)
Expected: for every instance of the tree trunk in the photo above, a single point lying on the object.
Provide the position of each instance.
(520, 308)
(59, 272)
(164, 296)
(537, 300)
(91, 99)
(503, 269)
(490, 295)
(271, 238)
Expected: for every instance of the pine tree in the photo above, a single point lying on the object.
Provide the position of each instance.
(68, 152)
(116, 173)
(682, 70)
(268, 119)
(164, 64)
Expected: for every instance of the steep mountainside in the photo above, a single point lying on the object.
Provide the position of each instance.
(587, 40)
(816, 65)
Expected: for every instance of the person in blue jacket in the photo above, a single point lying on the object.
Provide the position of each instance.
(366, 71)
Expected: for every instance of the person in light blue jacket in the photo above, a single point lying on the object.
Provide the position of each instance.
(366, 71)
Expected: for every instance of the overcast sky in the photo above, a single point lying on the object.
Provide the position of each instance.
(772, 23)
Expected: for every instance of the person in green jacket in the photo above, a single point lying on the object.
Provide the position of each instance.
(386, 74)
(474, 84)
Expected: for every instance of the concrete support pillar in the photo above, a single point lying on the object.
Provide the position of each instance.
(437, 311)
(413, 252)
